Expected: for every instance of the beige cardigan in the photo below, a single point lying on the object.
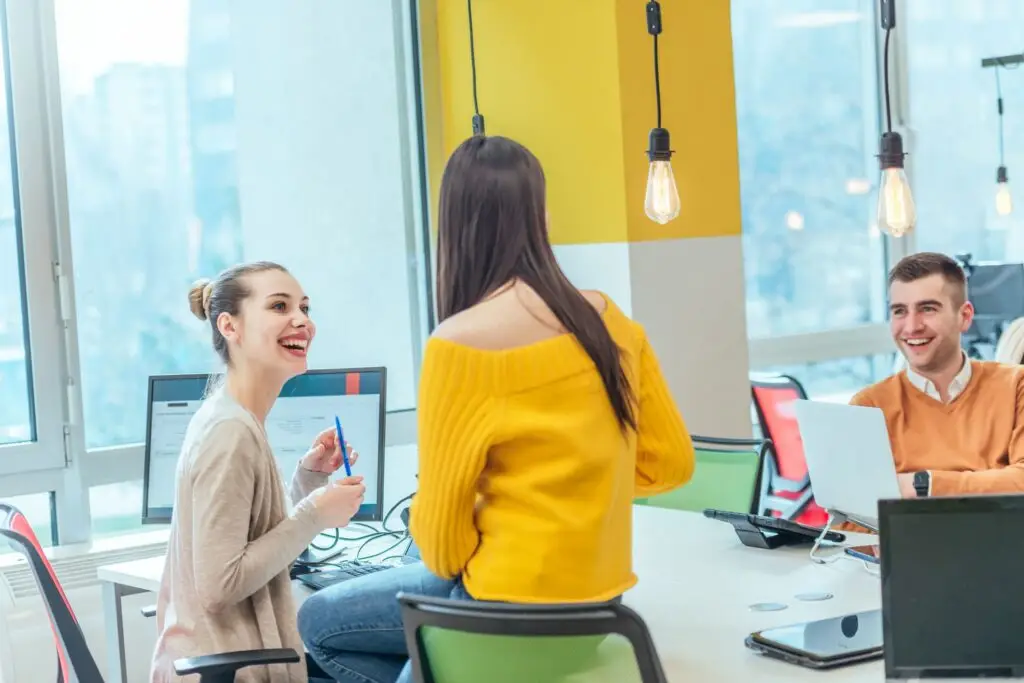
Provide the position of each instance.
(225, 586)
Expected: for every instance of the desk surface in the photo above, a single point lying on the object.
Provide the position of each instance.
(696, 585)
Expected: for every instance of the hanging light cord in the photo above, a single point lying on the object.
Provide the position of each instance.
(885, 71)
(657, 79)
(472, 56)
(999, 107)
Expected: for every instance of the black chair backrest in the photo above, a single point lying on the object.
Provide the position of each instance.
(75, 662)
(541, 625)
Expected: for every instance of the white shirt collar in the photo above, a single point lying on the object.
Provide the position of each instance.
(956, 387)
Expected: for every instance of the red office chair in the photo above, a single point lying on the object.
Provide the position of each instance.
(75, 663)
(789, 485)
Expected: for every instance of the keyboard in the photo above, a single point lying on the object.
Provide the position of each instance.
(343, 571)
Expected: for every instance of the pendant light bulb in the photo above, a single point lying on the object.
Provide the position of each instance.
(661, 202)
(1004, 201)
(897, 214)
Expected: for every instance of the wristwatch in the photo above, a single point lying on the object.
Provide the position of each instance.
(922, 483)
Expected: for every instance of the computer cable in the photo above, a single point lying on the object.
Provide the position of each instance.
(874, 570)
(403, 537)
(393, 509)
(829, 559)
(401, 554)
(402, 533)
(334, 541)
(372, 533)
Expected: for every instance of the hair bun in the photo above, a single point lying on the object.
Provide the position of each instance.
(199, 298)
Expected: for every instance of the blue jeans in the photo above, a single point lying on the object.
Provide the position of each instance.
(353, 630)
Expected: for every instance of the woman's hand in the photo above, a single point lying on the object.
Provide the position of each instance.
(325, 456)
(339, 501)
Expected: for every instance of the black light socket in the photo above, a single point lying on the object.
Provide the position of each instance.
(1001, 176)
(478, 124)
(887, 14)
(660, 149)
(890, 154)
(653, 18)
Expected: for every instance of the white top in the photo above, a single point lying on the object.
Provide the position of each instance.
(225, 584)
(956, 387)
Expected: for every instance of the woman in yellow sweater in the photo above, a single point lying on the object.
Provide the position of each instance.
(542, 414)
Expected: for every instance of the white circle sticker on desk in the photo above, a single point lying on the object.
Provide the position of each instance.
(814, 597)
(768, 606)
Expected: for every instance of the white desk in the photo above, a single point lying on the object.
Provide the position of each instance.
(696, 585)
(130, 578)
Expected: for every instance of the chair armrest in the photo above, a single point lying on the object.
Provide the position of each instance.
(148, 611)
(226, 663)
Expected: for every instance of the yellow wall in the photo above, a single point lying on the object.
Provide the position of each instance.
(573, 81)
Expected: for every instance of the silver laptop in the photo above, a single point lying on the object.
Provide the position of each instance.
(849, 459)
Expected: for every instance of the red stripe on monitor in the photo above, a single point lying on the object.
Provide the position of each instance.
(352, 383)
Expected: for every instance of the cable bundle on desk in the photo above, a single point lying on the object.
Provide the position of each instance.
(366, 538)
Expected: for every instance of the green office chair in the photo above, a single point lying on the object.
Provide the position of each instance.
(458, 641)
(727, 476)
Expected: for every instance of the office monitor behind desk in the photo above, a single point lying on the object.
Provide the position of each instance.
(357, 395)
(952, 599)
(997, 292)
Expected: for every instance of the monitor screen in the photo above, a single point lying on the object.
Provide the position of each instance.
(306, 406)
(951, 600)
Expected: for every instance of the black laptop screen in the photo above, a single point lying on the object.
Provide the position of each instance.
(953, 585)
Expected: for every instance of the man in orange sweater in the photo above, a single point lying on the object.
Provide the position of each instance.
(956, 424)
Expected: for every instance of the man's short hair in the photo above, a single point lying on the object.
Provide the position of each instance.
(927, 263)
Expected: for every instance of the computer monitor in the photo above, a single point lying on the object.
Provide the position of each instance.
(951, 597)
(997, 292)
(306, 406)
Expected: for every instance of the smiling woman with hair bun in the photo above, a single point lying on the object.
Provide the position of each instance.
(225, 586)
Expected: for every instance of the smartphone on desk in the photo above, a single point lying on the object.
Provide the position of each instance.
(823, 644)
(868, 553)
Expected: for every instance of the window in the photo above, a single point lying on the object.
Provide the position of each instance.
(16, 423)
(39, 510)
(955, 153)
(838, 380)
(15, 387)
(192, 143)
(807, 116)
(31, 384)
(115, 508)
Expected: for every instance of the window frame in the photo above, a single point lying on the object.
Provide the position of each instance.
(123, 463)
(42, 298)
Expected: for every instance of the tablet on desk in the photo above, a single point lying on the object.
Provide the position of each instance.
(758, 531)
(824, 644)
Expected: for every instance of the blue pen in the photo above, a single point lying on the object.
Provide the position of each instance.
(341, 444)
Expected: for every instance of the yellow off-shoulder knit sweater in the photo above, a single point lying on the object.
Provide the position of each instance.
(526, 480)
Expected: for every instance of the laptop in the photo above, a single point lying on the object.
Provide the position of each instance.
(849, 459)
(952, 598)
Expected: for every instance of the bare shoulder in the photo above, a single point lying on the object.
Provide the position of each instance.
(599, 300)
(514, 318)
(462, 328)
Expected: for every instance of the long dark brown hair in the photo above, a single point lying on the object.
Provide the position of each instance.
(492, 230)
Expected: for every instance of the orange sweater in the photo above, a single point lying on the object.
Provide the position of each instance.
(526, 482)
(975, 444)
